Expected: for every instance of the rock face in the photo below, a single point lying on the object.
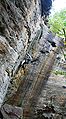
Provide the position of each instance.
(25, 38)
(19, 22)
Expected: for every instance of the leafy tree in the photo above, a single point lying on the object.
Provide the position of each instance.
(57, 23)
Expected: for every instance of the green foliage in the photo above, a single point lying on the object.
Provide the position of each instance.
(57, 23)
(65, 56)
(59, 72)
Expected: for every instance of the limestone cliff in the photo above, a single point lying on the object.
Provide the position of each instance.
(28, 54)
(20, 20)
